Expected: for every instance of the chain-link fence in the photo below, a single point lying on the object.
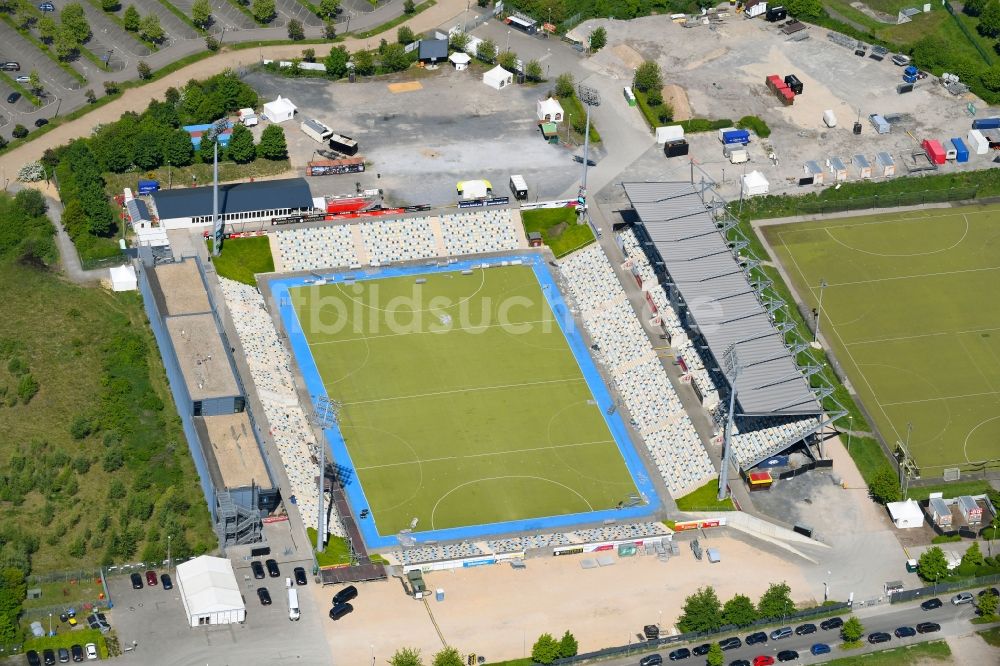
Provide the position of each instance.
(886, 201)
(944, 588)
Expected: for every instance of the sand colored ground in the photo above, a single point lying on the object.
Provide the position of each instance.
(406, 86)
(675, 96)
(602, 607)
(628, 55)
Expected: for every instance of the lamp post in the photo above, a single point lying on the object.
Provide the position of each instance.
(850, 420)
(170, 562)
(50, 624)
(819, 310)
(508, 41)
(372, 646)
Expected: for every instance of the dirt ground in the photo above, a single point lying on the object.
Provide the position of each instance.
(603, 606)
(675, 96)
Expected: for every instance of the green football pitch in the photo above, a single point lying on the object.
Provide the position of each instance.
(911, 310)
(461, 402)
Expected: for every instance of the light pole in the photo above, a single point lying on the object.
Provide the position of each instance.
(850, 431)
(819, 310)
(50, 624)
(508, 41)
(826, 588)
(372, 646)
(170, 563)
(732, 366)
(590, 98)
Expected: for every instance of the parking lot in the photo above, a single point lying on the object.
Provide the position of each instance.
(15, 47)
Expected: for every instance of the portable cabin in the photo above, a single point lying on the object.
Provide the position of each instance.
(961, 152)
(676, 148)
(880, 124)
(971, 511)
(885, 166)
(978, 143)
(519, 187)
(837, 168)
(794, 83)
(759, 480)
(863, 166)
(754, 8)
(775, 14)
(815, 171)
(934, 149)
(940, 513)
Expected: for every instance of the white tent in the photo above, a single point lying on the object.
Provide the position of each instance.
(209, 591)
(279, 110)
(474, 189)
(906, 514)
(123, 278)
(460, 60)
(549, 110)
(669, 133)
(498, 77)
(754, 184)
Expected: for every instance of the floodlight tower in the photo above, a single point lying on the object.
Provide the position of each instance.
(217, 128)
(324, 416)
(731, 366)
(590, 97)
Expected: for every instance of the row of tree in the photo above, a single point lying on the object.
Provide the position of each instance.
(932, 565)
(545, 651)
(703, 611)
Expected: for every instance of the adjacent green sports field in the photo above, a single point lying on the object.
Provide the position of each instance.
(912, 309)
(461, 401)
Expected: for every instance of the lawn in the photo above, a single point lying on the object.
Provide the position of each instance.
(705, 499)
(559, 229)
(921, 653)
(460, 400)
(991, 636)
(79, 636)
(904, 314)
(243, 258)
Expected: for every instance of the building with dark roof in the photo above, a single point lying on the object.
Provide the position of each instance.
(238, 202)
(433, 50)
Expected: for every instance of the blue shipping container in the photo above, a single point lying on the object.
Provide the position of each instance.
(911, 71)
(910, 78)
(148, 186)
(986, 123)
(736, 136)
(961, 152)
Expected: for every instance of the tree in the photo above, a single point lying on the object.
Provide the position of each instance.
(113, 458)
(329, 29)
(776, 602)
(211, 43)
(336, 62)
(533, 70)
(144, 70)
(932, 564)
(990, 78)
(715, 656)
(148, 151)
(702, 611)
(72, 17)
(309, 55)
(973, 556)
(448, 656)
(545, 650)
(565, 85)
(568, 647)
(989, 20)
(364, 62)
(395, 58)
(598, 39)
(47, 29)
(739, 611)
(241, 148)
(648, 76)
(974, 7)
(109, 5)
(987, 603)
(409, 7)
(201, 13)
(150, 28)
(206, 150)
(272, 144)
(459, 41)
(130, 18)
(884, 486)
(853, 630)
(805, 9)
(405, 656)
(91, 96)
(65, 44)
(262, 10)
(295, 30)
(486, 50)
(328, 8)
(654, 97)
(508, 60)
(19, 131)
(405, 35)
(111, 87)
(35, 82)
(177, 148)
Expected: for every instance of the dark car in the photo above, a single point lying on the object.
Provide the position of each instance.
(905, 632)
(651, 660)
(701, 650)
(264, 596)
(63, 655)
(651, 631)
(10, 66)
(41, 122)
(136, 581)
(804, 629)
(739, 662)
(345, 595)
(340, 611)
(49, 657)
(77, 652)
(778, 634)
(300, 575)
(994, 590)
(33, 659)
(272, 568)
(931, 604)
(257, 568)
(730, 643)
(879, 637)
(151, 578)
(788, 655)
(819, 648)
(677, 655)
(832, 623)
(167, 582)
(13, 97)
(759, 637)
(928, 627)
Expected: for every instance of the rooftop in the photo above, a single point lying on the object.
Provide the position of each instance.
(203, 361)
(234, 198)
(178, 288)
(433, 49)
(235, 450)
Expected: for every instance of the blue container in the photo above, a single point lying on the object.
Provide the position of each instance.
(149, 186)
(910, 71)
(736, 136)
(986, 123)
(910, 78)
(961, 152)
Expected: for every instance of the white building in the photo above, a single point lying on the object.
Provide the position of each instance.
(905, 514)
(460, 60)
(280, 110)
(209, 591)
(498, 78)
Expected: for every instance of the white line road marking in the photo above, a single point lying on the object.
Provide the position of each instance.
(466, 390)
(910, 277)
(924, 335)
(488, 453)
(945, 397)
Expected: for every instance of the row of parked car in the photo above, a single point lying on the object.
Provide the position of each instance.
(299, 573)
(75, 653)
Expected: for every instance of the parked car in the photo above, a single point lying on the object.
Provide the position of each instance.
(10, 66)
(701, 650)
(91, 649)
(33, 658)
(264, 596)
(901, 60)
(679, 654)
(345, 595)
(754, 639)
(49, 657)
(257, 568)
(879, 637)
(77, 652)
(651, 660)
(778, 634)
(804, 629)
(931, 604)
(994, 590)
(63, 655)
(819, 648)
(730, 643)
(340, 611)
(928, 627)
(136, 581)
(763, 660)
(272, 568)
(167, 582)
(832, 623)
(47, 7)
(300, 575)
(23, 79)
(905, 632)
(13, 97)
(788, 655)
(962, 598)
(740, 662)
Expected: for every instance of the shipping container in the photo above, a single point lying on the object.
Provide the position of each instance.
(519, 187)
(885, 165)
(786, 96)
(723, 131)
(863, 166)
(978, 143)
(815, 171)
(904, 88)
(837, 168)
(676, 148)
(986, 123)
(149, 186)
(793, 82)
(880, 124)
(343, 144)
(911, 71)
(934, 150)
(775, 14)
(316, 130)
(772, 81)
(736, 136)
(334, 167)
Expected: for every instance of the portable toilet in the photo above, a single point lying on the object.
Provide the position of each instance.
(961, 152)
(978, 142)
(838, 169)
(885, 165)
(863, 166)
(812, 168)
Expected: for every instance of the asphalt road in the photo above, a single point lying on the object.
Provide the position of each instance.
(954, 621)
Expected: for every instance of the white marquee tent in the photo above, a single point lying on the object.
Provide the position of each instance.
(279, 110)
(755, 184)
(906, 514)
(549, 110)
(498, 77)
(460, 60)
(209, 591)
(123, 278)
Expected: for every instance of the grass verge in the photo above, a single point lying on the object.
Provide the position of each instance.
(183, 17)
(242, 258)
(559, 229)
(574, 109)
(9, 80)
(246, 11)
(69, 639)
(953, 489)
(705, 499)
(337, 551)
(991, 636)
(920, 653)
(389, 25)
(114, 18)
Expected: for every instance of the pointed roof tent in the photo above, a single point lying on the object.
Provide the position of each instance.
(549, 110)
(208, 587)
(280, 110)
(498, 77)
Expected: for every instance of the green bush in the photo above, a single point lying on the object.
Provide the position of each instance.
(755, 124)
(946, 538)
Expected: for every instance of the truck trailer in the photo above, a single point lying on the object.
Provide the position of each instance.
(343, 144)
(335, 167)
(316, 130)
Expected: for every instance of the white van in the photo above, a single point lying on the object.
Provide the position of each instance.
(293, 604)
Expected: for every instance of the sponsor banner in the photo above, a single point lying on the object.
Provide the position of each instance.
(695, 524)
(294, 219)
(561, 203)
(572, 550)
(478, 563)
(274, 519)
(333, 170)
(503, 557)
(480, 203)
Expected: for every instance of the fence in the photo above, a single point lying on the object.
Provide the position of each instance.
(885, 201)
(119, 259)
(968, 35)
(943, 588)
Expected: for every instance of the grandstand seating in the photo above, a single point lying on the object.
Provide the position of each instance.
(390, 240)
(309, 248)
(479, 231)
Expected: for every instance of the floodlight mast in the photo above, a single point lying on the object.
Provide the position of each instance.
(590, 97)
(325, 416)
(217, 225)
(731, 366)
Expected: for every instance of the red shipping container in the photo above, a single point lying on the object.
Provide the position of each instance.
(934, 150)
(773, 81)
